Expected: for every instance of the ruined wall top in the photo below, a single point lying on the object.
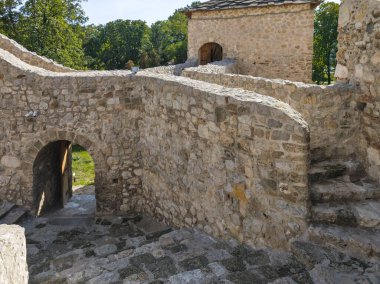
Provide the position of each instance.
(30, 57)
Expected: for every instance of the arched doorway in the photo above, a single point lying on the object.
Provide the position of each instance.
(53, 177)
(210, 52)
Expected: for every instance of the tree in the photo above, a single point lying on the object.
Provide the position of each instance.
(54, 28)
(325, 41)
(91, 44)
(113, 44)
(9, 17)
(169, 38)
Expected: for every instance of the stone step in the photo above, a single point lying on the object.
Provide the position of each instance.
(311, 254)
(14, 216)
(5, 207)
(341, 189)
(151, 228)
(358, 242)
(364, 214)
(326, 170)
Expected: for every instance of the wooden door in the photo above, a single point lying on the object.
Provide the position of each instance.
(66, 172)
(205, 54)
(210, 52)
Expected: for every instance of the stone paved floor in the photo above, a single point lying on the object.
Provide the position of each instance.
(69, 246)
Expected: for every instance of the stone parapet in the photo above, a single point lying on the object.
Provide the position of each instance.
(330, 111)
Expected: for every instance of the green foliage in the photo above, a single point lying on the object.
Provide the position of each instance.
(55, 29)
(52, 28)
(83, 166)
(9, 17)
(169, 38)
(325, 42)
(112, 45)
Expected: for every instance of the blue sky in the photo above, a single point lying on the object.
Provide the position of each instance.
(104, 11)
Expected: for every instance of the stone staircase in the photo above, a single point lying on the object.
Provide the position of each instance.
(11, 213)
(345, 211)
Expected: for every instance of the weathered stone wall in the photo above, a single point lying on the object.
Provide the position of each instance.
(273, 41)
(30, 57)
(234, 162)
(13, 265)
(359, 63)
(97, 110)
(163, 144)
(330, 111)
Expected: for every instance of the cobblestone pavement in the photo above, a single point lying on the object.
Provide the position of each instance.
(64, 248)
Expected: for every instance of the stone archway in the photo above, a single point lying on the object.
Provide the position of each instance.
(52, 177)
(210, 52)
(53, 141)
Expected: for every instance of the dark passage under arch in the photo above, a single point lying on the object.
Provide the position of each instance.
(53, 177)
(210, 52)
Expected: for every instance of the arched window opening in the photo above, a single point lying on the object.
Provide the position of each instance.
(210, 52)
(63, 177)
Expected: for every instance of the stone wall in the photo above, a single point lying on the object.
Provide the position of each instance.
(229, 162)
(234, 162)
(97, 110)
(13, 265)
(330, 111)
(273, 41)
(359, 63)
(30, 57)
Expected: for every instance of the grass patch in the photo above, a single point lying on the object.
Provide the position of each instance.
(83, 166)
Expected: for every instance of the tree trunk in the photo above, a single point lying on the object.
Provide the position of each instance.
(329, 68)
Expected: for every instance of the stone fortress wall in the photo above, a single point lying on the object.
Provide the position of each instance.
(284, 39)
(163, 144)
(359, 64)
(228, 161)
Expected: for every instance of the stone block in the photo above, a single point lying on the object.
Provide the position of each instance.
(13, 268)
